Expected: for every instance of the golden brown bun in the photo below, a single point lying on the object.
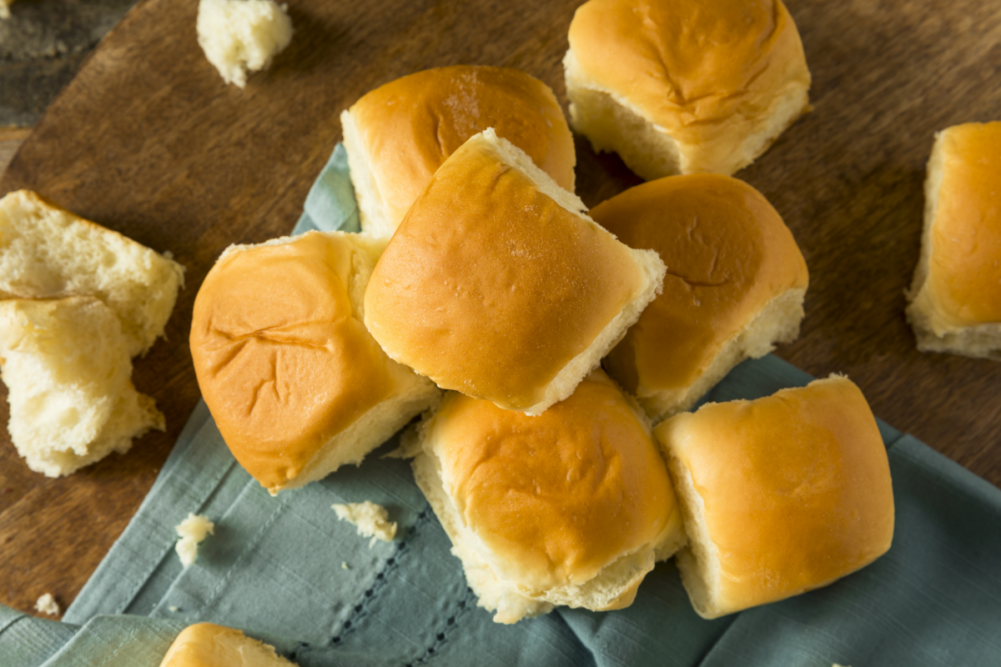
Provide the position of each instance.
(780, 495)
(685, 86)
(496, 286)
(210, 645)
(572, 507)
(956, 302)
(400, 133)
(735, 285)
(295, 383)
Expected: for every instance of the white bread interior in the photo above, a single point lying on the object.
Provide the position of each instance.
(242, 36)
(933, 329)
(67, 368)
(210, 645)
(47, 252)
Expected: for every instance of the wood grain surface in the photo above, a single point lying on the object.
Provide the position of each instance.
(148, 141)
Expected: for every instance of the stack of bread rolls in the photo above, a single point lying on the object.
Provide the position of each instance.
(480, 273)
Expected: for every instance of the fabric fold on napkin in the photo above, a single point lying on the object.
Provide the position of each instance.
(288, 571)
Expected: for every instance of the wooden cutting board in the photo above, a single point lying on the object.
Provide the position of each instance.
(149, 141)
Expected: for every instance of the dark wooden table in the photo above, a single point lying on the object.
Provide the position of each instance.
(149, 141)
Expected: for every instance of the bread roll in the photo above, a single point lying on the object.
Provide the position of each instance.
(955, 298)
(684, 86)
(295, 383)
(735, 285)
(569, 508)
(68, 372)
(497, 286)
(47, 252)
(780, 495)
(399, 134)
(210, 645)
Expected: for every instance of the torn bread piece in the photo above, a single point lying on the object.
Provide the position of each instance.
(241, 36)
(210, 645)
(372, 520)
(68, 373)
(192, 531)
(514, 295)
(48, 252)
(572, 507)
(47, 604)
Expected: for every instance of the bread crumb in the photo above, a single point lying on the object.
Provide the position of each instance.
(238, 36)
(174, 609)
(192, 532)
(47, 605)
(344, 566)
(371, 520)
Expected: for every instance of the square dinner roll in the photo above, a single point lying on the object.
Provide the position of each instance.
(46, 252)
(572, 507)
(956, 295)
(68, 372)
(780, 495)
(295, 383)
(684, 86)
(211, 645)
(734, 287)
(398, 135)
(498, 286)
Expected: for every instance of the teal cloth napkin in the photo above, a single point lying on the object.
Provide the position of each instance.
(287, 571)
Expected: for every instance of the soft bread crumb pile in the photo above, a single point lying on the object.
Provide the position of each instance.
(241, 36)
(192, 531)
(372, 520)
(47, 605)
